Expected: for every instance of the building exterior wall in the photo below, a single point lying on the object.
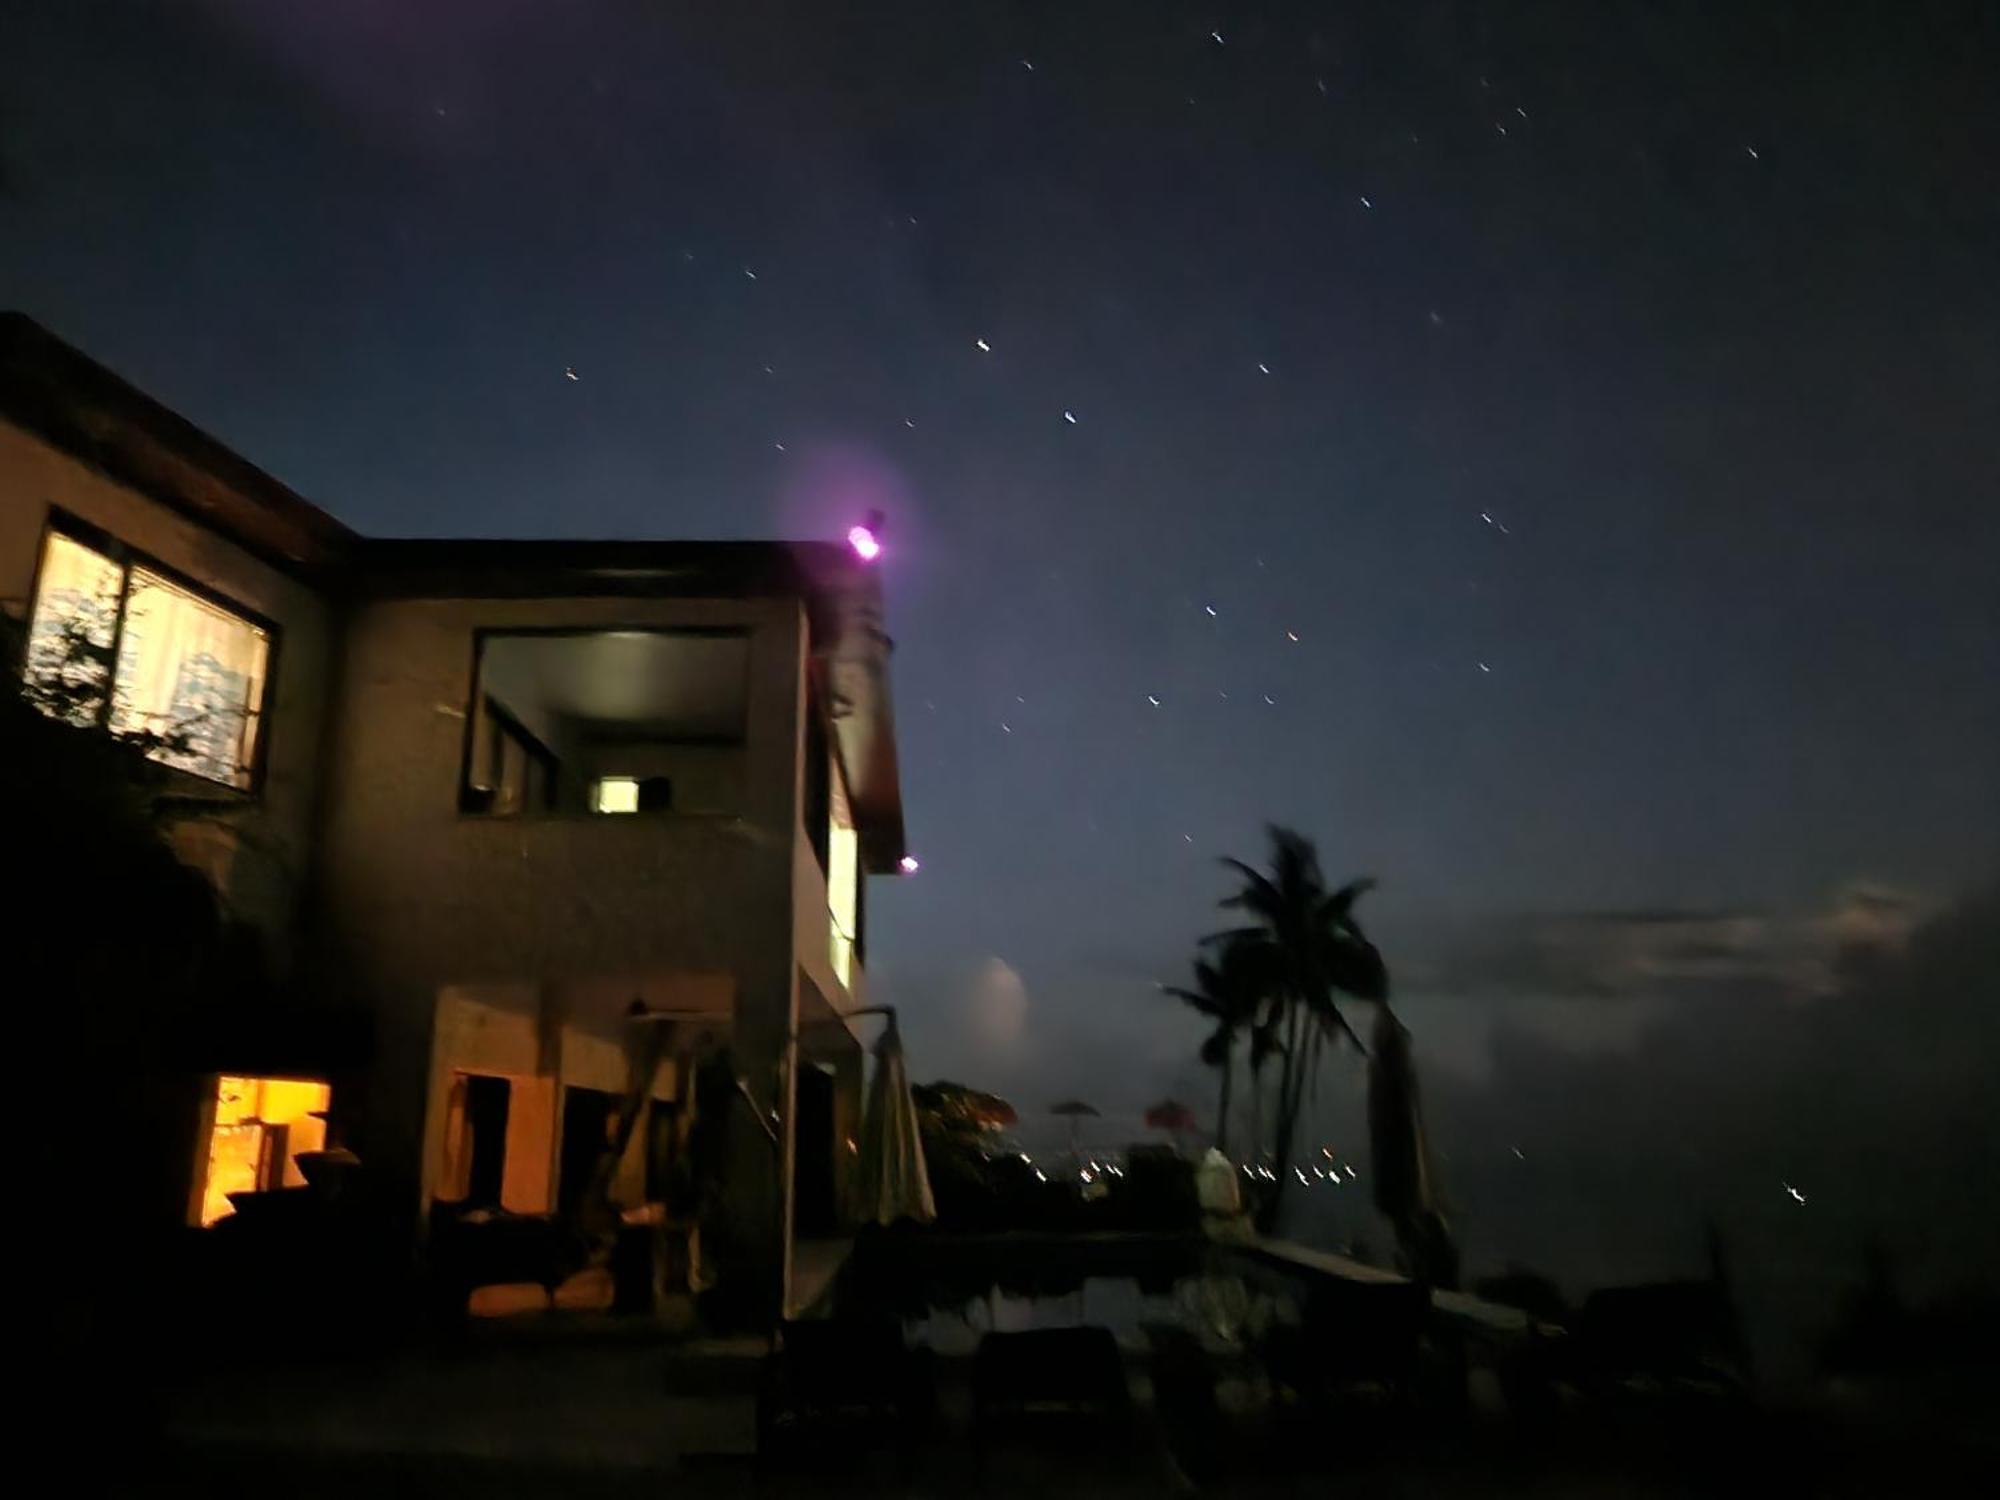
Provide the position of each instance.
(503, 944)
(417, 897)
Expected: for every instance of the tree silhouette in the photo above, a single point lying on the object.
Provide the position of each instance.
(1315, 950)
(1233, 990)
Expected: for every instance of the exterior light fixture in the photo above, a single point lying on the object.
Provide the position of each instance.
(866, 538)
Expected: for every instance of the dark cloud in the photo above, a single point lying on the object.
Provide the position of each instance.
(1871, 1094)
(1660, 953)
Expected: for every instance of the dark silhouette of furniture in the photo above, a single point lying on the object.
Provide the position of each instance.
(1066, 1374)
(828, 1381)
(1352, 1338)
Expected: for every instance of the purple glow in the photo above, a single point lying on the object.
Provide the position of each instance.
(908, 864)
(862, 540)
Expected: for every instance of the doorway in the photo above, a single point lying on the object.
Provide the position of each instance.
(586, 1135)
(814, 1214)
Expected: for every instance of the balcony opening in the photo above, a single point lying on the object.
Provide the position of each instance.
(618, 722)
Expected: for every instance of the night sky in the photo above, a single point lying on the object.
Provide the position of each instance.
(1545, 452)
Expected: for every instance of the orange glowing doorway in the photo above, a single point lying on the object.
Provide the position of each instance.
(259, 1128)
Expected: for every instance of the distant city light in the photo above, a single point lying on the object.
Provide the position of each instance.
(863, 541)
(909, 864)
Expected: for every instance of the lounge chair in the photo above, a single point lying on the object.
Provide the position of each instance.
(1353, 1337)
(1048, 1372)
(839, 1375)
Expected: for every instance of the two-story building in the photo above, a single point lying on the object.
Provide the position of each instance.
(513, 818)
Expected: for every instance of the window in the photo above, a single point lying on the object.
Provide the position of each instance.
(120, 645)
(260, 1129)
(843, 877)
(615, 794)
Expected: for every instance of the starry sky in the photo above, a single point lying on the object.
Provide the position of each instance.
(1545, 452)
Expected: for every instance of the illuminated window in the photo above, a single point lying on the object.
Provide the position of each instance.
(260, 1128)
(125, 647)
(843, 873)
(615, 794)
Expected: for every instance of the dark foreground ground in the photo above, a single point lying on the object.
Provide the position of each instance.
(620, 1416)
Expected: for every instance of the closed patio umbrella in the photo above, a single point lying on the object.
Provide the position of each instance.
(893, 1181)
(1405, 1189)
(1073, 1110)
(1173, 1117)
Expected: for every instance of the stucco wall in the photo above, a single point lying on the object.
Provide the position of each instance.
(256, 851)
(417, 896)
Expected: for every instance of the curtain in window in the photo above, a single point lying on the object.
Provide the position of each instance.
(193, 672)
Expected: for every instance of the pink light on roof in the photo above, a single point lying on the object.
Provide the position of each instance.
(863, 541)
(908, 864)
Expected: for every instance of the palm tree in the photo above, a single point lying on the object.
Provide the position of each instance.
(1313, 949)
(1232, 991)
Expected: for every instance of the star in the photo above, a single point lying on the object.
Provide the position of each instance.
(1365, 203)
(984, 347)
(1218, 37)
(569, 372)
(1152, 700)
(1209, 610)
(1484, 668)
(1265, 368)
(1270, 700)
(1292, 636)
(1797, 1196)
(1070, 417)
(779, 446)
(750, 273)
(908, 422)
(1005, 727)
(1753, 153)
(1028, 65)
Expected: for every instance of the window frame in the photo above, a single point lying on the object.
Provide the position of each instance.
(83, 533)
